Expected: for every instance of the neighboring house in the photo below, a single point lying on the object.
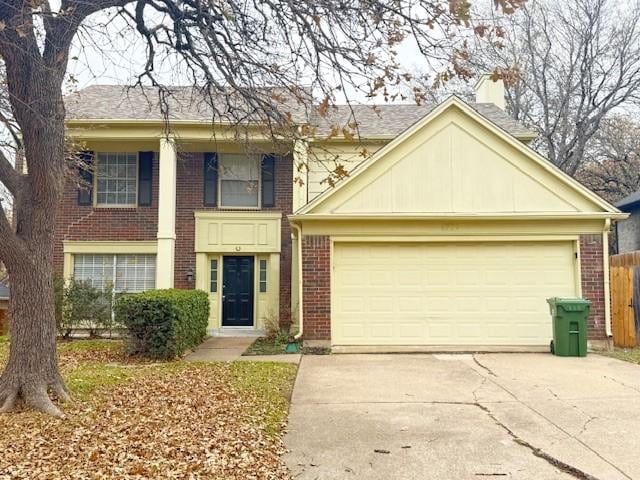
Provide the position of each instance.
(452, 234)
(628, 231)
(4, 309)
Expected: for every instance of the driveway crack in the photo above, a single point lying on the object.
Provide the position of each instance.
(559, 464)
(622, 384)
(536, 451)
(484, 367)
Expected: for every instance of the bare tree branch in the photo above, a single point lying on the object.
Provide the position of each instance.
(577, 61)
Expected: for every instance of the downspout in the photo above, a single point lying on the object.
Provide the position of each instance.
(605, 271)
(298, 236)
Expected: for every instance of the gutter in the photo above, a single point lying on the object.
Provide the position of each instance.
(461, 216)
(298, 236)
(605, 272)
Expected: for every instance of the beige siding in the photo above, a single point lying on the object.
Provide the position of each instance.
(454, 164)
(324, 158)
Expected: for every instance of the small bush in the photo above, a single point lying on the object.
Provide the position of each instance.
(164, 324)
(79, 305)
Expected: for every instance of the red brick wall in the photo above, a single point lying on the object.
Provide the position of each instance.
(190, 188)
(316, 290)
(592, 269)
(132, 224)
(87, 223)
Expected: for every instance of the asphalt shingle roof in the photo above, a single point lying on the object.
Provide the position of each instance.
(117, 102)
(392, 119)
(4, 291)
(108, 102)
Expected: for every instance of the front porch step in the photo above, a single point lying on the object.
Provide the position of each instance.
(236, 332)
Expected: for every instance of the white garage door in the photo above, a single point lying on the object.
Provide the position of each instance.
(465, 293)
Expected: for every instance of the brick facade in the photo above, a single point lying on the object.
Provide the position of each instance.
(76, 222)
(316, 290)
(190, 197)
(592, 269)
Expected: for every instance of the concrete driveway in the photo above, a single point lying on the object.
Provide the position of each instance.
(446, 417)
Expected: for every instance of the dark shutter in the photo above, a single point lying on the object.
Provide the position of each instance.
(210, 179)
(85, 171)
(145, 178)
(268, 181)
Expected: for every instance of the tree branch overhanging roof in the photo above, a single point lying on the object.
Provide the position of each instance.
(605, 208)
(105, 104)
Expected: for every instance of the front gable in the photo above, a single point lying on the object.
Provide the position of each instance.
(455, 162)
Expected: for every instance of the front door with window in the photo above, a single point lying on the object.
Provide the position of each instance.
(237, 292)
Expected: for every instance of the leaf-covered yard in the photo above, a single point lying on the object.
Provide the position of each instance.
(131, 419)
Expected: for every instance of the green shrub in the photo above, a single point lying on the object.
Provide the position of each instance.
(164, 324)
(80, 305)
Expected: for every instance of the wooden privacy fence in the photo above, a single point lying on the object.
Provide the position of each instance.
(625, 298)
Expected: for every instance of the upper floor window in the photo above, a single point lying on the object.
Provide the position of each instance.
(239, 180)
(117, 179)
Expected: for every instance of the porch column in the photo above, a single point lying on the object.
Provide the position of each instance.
(165, 259)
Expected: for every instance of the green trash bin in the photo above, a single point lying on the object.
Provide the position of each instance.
(569, 317)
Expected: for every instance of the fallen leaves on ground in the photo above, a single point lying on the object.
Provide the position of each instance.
(177, 420)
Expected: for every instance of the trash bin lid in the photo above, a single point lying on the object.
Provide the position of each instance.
(569, 304)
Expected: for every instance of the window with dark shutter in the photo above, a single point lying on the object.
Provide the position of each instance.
(145, 178)
(85, 190)
(210, 179)
(268, 181)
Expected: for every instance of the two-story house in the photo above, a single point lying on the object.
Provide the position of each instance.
(447, 232)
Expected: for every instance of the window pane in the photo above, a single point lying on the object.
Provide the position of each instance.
(239, 193)
(95, 269)
(239, 180)
(117, 182)
(263, 276)
(135, 273)
(214, 276)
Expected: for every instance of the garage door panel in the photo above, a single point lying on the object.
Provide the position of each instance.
(448, 294)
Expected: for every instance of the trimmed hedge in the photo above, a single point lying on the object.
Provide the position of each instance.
(164, 324)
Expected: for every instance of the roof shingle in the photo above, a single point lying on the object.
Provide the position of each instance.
(116, 102)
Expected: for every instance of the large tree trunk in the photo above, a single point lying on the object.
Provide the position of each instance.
(32, 369)
(28, 254)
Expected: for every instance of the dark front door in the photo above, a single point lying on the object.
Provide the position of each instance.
(237, 292)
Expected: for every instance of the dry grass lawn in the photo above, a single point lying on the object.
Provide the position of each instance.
(627, 354)
(131, 420)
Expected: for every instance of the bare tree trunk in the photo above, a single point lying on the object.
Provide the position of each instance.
(32, 369)
(28, 251)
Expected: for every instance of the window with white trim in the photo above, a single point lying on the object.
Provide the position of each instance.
(239, 177)
(117, 179)
(125, 273)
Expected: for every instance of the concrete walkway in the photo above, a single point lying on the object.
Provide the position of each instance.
(230, 349)
(464, 417)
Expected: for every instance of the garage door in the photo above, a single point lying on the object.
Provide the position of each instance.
(464, 293)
